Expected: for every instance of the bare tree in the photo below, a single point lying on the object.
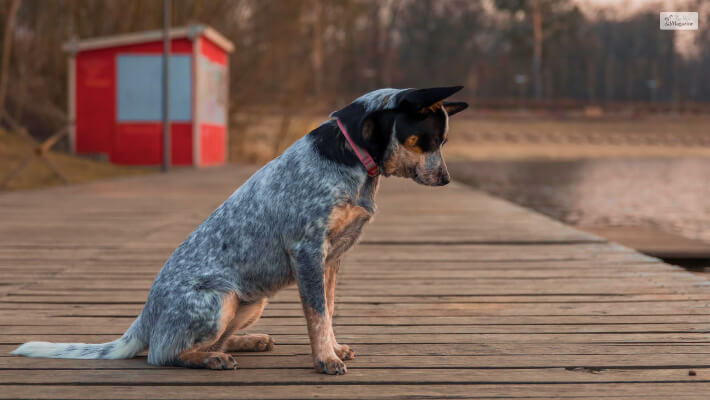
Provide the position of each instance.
(7, 50)
(318, 46)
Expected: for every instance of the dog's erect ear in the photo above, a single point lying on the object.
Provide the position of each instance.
(452, 107)
(420, 100)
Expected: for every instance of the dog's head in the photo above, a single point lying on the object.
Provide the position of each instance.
(404, 129)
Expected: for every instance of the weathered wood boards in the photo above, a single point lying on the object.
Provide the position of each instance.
(451, 293)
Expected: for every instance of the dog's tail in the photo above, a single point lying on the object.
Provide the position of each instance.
(126, 346)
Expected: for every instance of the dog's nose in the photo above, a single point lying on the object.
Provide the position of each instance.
(444, 180)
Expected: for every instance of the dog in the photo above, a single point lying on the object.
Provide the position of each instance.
(290, 222)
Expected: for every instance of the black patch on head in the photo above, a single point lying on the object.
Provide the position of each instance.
(428, 128)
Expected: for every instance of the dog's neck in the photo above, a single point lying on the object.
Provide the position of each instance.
(367, 192)
(362, 154)
(330, 144)
(373, 136)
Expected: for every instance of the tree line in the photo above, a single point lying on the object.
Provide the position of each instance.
(321, 53)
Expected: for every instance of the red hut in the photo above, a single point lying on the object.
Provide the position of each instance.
(115, 91)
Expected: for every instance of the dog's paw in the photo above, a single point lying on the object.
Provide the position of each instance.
(344, 352)
(263, 343)
(252, 342)
(221, 361)
(332, 366)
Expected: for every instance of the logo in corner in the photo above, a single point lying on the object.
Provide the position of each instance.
(679, 21)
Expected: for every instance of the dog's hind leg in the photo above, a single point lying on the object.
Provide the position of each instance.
(250, 342)
(247, 315)
(193, 336)
(342, 350)
(207, 359)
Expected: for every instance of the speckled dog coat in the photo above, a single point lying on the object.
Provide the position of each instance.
(289, 222)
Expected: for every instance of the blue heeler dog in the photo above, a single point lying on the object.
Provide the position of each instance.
(292, 221)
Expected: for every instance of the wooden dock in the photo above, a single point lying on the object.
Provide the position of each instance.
(451, 294)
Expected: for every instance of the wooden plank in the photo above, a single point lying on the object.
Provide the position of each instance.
(433, 349)
(91, 327)
(419, 338)
(373, 376)
(456, 294)
(448, 362)
(72, 317)
(674, 390)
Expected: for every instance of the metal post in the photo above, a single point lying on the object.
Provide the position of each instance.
(166, 81)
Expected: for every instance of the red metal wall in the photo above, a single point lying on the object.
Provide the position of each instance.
(96, 128)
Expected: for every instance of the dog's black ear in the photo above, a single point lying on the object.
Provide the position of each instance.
(420, 100)
(453, 107)
(352, 117)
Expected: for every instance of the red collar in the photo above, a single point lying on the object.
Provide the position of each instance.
(361, 153)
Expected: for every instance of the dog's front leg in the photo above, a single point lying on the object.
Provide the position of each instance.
(309, 268)
(343, 351)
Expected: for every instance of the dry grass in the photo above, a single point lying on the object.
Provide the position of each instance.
(14, 149)
(259, 138)
(497, 137)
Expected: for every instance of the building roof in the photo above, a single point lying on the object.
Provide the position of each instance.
(191, 32)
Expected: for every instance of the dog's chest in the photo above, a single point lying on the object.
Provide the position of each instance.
(344, 228)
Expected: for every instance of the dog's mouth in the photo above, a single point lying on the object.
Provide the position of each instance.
(418, 179)
(429, 181)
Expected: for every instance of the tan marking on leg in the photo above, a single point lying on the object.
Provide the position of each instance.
(248, 314)
(251, 342)
(319, 331)
(230, 304)
(208, 354)
(227, 326)
(207, 359)
(341, 350)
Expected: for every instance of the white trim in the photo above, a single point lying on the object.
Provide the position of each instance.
(218, 39)
(226, 111)
(149, 36)
(196, 139)
(71, 102)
